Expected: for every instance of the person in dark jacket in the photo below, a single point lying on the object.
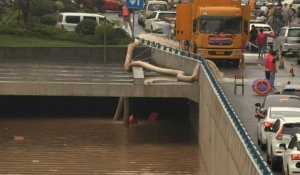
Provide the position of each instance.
(253, 36)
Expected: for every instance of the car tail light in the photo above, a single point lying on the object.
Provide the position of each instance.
(286, 40)
(295, 156)
(268, 124)
(280, 134)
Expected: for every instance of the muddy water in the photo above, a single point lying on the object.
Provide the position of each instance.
(91, 145)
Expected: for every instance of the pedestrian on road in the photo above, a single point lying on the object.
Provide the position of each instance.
(267, 69)
(126, 17)
(253, 36)
(261, 42)
(271, 65)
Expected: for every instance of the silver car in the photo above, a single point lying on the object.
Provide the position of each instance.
(287, 40)
(273, 113)
(158, 21)
(291, 156)
(280, 133)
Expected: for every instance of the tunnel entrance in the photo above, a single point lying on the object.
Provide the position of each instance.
(101, 107)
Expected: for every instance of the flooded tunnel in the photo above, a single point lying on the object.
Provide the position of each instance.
(76, 135)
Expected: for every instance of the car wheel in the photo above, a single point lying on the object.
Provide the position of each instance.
(258, 141)
(263, 147)
(275, 163)
(283, 53)
(268, 156)
(236, 63)
(139, 22)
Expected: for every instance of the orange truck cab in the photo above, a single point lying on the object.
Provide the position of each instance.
(216, 29)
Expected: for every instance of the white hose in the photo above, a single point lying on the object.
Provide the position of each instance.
(130, 49)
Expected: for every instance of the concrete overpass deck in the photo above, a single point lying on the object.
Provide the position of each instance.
(67, 78)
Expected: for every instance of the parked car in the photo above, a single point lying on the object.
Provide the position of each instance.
(158, 20)
(280, 133)
(276, 101)
(150, 7)
(69, 21)
(291, 89)
(296, 4)
(267, 30)
(287, 40)
(259, 3)
(272, 114)
(291, 156)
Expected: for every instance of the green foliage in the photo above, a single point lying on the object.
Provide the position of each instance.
(48, 19)
(115, 36)
(59, 5)
(100, 29)
(86, 27)
(69, 6)
(14, 29)
(42, 7)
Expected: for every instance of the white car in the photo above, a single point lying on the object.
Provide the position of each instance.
(291, 156)
(272, 114)
(158, 20)
(287, 40)
(280, 133)
(267, 30)
(69, 21)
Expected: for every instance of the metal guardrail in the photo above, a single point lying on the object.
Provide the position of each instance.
(254, 153)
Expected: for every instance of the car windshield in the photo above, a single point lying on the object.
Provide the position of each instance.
(158, 7)
(296, 1)
(265, 29)
(291, 92)
(282, 102)
(291, 128)
(294, 33)
(220, 24)
(166, 15)
(278, 114)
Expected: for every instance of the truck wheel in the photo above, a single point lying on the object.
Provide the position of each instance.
(236, 63)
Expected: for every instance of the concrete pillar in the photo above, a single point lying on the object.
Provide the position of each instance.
(119, 109)
(126, 111)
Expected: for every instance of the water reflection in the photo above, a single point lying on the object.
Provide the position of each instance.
(97, 146)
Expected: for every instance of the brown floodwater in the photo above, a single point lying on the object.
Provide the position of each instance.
(97, 145)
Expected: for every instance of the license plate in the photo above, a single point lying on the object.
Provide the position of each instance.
(219, 53)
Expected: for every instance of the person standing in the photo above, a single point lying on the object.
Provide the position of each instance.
(126, 17)
(261, 42)
(271, 65)
(264, 9)
(253, 36)
(267, 70)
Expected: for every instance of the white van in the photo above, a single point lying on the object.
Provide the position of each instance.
(69, 21)
(150, 7)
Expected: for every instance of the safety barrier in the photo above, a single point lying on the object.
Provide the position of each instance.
(251, 149)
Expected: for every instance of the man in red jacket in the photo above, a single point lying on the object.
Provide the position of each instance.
(261, 42)
(126, 17)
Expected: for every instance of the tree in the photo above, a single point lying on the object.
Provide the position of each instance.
(25, 7)
(3, 5)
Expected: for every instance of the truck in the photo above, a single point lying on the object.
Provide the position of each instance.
(217, 30)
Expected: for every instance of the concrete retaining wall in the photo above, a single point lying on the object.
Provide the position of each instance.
(220, 144)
